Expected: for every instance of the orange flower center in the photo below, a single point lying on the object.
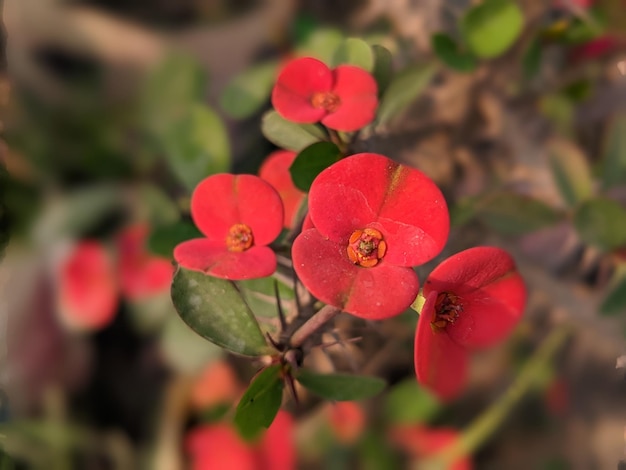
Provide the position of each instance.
(325, 100)
(239, 238)
(366, 247)
(447, 310)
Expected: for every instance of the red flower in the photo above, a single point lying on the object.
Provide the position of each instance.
(347, 420)
(276, 450)
(275, 170)
(239, 215)
(307, 91)
(373, 218)
(142, 275)
(87, 290)
(217, 385)
(473, 300)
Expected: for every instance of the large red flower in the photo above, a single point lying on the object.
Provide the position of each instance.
(374, 219)
(307, 91)
(275, 170)
(473, 300)
(239, 215)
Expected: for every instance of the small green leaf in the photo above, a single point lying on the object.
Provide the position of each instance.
(514, 214)
(258, 406)
(321, 44)
(601, 222)
(341, 387)
(249, 90)
(354, 51)
(490, 28)
(259, 295)
(383, 67)
(409, 403)
(287, 134)
(215, 310)
(164, 239)
(311, 161)
(450, 54)
(614, 157)
(155, 205)
(531, 61)
(403, 90)
(615, 301)
(571, 171)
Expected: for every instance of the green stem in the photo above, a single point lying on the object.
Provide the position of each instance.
(485, 425)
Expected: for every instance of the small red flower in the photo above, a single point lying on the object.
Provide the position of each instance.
(142, 275)
(275, 170)
(217, 385)
(307, 91)
(87, 290)
(277, 449)
(347, 420)
(373, 219)
(473, 300)
(239, 215)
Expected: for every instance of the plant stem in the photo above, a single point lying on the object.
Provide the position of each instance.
(326, 313)
(484, 426)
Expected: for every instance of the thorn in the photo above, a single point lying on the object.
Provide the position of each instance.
(292, 388)
(281, 314)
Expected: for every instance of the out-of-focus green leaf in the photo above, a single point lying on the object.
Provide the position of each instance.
(513, 214)
(491, 27)
(260, 297)
(287, 134)
(450, 54)
(408, 403)
(560, 110)
(578, 90)
(383, 67)
(614, 158)
(163, 239)
(570, 170)
(354, 51)
(156, 206)
(340, 387)
(376, 454)
(615, 301)
(311, 161)
(531, 61)
(582, 30)
(215, 310)
(321, 44)
(260, 403)
(404, 90)
(601, 222)
(249, 91)
(462, 211)
(197, 146)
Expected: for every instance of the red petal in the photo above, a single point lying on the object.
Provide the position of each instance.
(296, 83)
(491, 291)
(221, 201)
(307, 223)
(348, 421)
(275, 170)
(368, 189)
(210, 257)
(218, 446)
(358, 93)
(277, 449)
(440, 363)
(324, 268)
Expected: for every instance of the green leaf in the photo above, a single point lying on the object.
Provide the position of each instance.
(403, 90)
(321, 44)
(614, 157)
(383, 67)
(560, 110)
(155, 205)
(408, 403)
(340, 387)
(197, 146)
(354, 51)
(514, 214)
(531, 61)
(259, 295)
(249, 91)
(311, 161)
(260, 403)
(287, 134)
(215, 310)
(450, 54)
(489, 29)
(570, 170)
(601, 222)
(615, 301)
(164, 239)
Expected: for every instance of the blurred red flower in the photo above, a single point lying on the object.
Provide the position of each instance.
(239, 215)
(347, 420)
(217, 385)
(307, 91)
(373, 219)
(596, 48)
(473, 300)
(275, 170)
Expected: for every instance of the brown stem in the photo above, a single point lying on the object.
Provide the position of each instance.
(325, 314)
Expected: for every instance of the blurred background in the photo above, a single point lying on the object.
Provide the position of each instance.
(112, 111)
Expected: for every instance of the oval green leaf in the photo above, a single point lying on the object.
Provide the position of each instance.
(341, 387)
(260, 403)
(311, 161)
(570, 170)
(448, 51)
(321, 44)
(408, 403)
(249, 91)
(354, 51)
(514, 214)
(383, 67)
(287, 134)
(260, 296)
(490, 28)
(614, 156)
(163, 239)
(601, 222)
(215, 310)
